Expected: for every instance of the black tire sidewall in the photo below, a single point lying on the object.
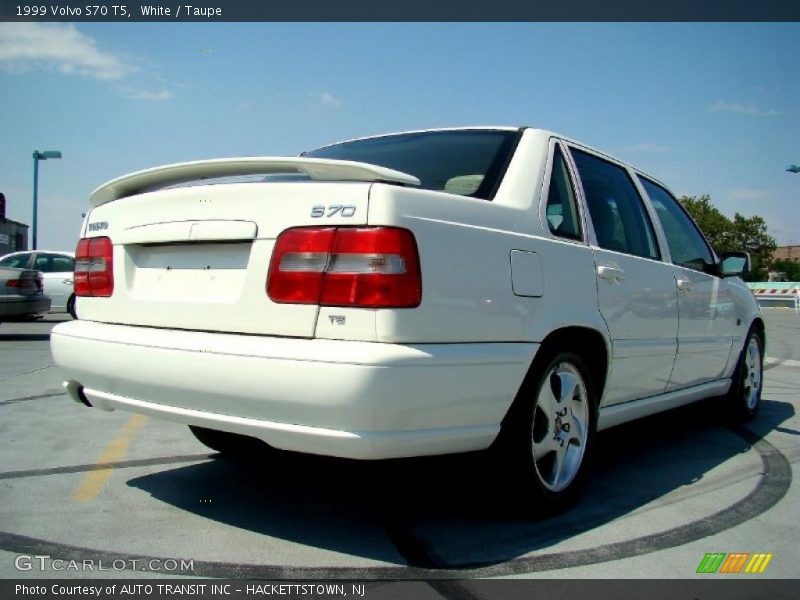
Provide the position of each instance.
(518, 451)
(740, 408)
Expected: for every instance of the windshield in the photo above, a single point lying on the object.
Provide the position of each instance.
(464, 162)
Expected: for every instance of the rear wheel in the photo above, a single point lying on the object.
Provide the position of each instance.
(549, 433)
(230, 445)
(745, 393)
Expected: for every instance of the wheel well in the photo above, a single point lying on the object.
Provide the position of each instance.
(758, 325)
(588, 343)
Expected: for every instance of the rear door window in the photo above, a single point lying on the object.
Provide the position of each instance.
(620, 220)
(53, 263)
(62, 264)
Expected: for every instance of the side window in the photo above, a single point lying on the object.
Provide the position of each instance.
(43, 263)
(62, 264)
(618, 214)
(562, 209)
(18, 261)
(686, 244)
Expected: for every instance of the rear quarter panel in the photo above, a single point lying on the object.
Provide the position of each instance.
(465, 248)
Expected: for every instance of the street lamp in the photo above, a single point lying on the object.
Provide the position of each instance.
(37, 156)
(793, 169)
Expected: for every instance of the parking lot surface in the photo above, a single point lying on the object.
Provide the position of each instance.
(136, 493)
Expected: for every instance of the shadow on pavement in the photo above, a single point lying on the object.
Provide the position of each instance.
(448, 512)
(25, 337)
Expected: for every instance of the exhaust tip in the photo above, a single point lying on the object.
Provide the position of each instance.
(75, 391)
(82, 397)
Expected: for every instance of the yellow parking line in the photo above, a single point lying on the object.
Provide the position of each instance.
(94, 481)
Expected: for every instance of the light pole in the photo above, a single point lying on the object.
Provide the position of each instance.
(37, 156)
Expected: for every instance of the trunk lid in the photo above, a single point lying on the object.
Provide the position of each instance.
(197, 257)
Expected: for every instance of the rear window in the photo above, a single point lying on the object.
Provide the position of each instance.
(464, 162)
(17, 261)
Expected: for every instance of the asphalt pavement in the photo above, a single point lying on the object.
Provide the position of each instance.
(141, 497)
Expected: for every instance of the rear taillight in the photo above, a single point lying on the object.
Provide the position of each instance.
(26, 282)
(94, 267)
(373, 267)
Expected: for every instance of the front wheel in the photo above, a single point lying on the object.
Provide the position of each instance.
(744, 396)
(71, 307)
(549, 434)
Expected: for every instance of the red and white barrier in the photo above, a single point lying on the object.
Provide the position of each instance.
(787, 294)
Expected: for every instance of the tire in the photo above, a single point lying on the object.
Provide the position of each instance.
(744, 397)
(548, 435)
(230, 445)
(71, 307)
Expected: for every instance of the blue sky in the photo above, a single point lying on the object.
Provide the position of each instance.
(708, 108)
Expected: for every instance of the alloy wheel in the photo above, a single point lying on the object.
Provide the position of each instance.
(751, 378)
(560, 426)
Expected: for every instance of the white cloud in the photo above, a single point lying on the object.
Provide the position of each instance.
(59, 47)
(328, 99)
(163, 94)
(646, 147)
(748, 109)
(749, 194)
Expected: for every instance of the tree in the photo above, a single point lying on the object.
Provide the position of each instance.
(750, 234)
(714, 225)
(729, 235)
(789, 268)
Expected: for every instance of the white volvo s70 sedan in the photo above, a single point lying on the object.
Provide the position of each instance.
(410, 294)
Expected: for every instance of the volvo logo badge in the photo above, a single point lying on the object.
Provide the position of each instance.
(98, 226)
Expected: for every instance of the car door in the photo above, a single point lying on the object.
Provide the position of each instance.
(706, 315)
(636, 290)
(57, 271)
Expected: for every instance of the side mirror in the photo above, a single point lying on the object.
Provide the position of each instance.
(734, 263)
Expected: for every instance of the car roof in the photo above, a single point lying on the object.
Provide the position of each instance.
(62, 252)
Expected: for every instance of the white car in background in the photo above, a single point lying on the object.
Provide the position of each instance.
(57, 269)
(410, 294)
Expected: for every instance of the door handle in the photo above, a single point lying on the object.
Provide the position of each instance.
(610, 273)
(67, 281)
(684, 285)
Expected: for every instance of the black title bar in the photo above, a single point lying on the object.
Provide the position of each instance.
(398, 10)
(710, 588)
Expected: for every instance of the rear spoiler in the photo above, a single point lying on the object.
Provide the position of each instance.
(316, 168)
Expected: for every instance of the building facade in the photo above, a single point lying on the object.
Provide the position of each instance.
(787, 253)
(13, 235)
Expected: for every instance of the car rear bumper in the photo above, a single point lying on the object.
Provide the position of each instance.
(16, 307)
(340, 398)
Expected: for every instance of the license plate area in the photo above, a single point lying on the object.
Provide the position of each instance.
(187, 272)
